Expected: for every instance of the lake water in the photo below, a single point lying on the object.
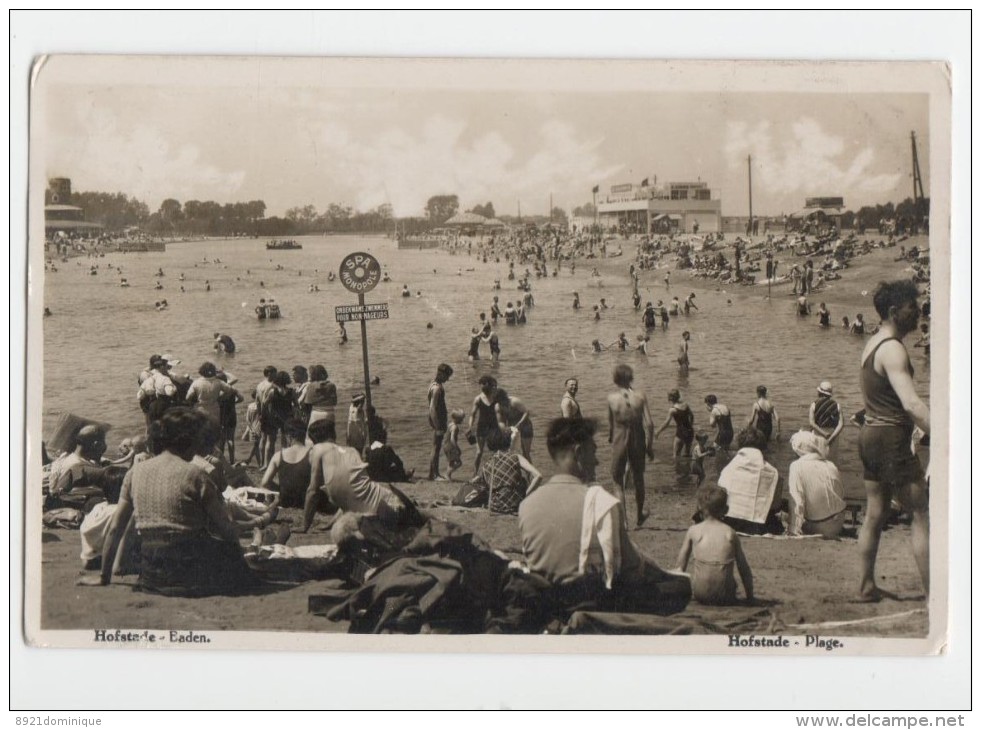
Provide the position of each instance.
(100, 336)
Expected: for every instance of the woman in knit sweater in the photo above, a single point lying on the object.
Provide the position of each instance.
(189, 544)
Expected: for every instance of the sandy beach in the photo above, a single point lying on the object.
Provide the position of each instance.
(802, 585)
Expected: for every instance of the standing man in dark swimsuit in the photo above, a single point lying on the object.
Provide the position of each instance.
(485, 416)
(764, 415)
(684, 420)
(721, 418)
(632, 436)
(438, 420)
(569, 405)
(892, 409)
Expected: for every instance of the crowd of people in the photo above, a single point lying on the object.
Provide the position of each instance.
(172, 511)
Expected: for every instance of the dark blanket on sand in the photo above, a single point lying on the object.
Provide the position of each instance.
(442, 578)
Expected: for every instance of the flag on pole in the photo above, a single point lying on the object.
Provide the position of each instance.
(595, 189)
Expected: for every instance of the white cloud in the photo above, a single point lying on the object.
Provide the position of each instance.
(98, 153)
(405, 169)
(802, 158)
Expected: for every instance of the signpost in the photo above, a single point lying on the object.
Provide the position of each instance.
(360, 273)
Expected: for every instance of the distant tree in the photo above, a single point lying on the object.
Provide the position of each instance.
(584, 211)
(170, 211)
(114, 211)
(559, 216)
(486, 210)
(440, 208)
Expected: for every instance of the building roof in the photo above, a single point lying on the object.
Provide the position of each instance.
(59, 208)
(811, 211)
(69, 225)
(466, 219)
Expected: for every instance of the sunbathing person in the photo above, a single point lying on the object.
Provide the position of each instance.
(289, 471)
(189, 544)
(753, 486)
(339, 472)
(573, 534)
(80, 474)
(714, 550)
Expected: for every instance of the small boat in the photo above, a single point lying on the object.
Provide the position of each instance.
(289, 245)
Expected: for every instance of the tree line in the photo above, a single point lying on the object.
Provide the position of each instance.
(116, 211)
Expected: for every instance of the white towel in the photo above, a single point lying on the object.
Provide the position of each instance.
(599, 544)
(751, 484)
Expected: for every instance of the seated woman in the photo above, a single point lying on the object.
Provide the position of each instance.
(384, 465)
(753, 486)
(189, 545)
(815, 491)
(289, 471)
(503, 480)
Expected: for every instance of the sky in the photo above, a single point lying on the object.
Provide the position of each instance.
(364, 147)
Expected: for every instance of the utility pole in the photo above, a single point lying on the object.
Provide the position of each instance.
(549, 207)
(749, 168)
(919, 199)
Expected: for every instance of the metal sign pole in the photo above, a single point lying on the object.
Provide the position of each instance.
(359, 273)
(364, 353)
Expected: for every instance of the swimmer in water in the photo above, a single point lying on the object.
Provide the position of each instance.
(473, 353)
(575, 300)
(642, 341)
(405, 291)
(649, 318)
(598, 346)
(824, 316)
(596, 313)
(684, 420)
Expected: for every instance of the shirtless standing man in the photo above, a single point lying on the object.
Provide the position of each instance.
(632, 436)
(438, 417)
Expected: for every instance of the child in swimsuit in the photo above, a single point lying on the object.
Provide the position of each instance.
(451, 446)
(699, 451)
(715, 550)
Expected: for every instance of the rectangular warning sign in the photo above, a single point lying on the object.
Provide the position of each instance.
(358, 312)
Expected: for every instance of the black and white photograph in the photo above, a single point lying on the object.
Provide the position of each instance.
(568, 356)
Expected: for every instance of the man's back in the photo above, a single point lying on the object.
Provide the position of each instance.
(550, 519)
(345, 478)
(627, 407)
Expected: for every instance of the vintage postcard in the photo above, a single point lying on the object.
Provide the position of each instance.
(488, 355)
